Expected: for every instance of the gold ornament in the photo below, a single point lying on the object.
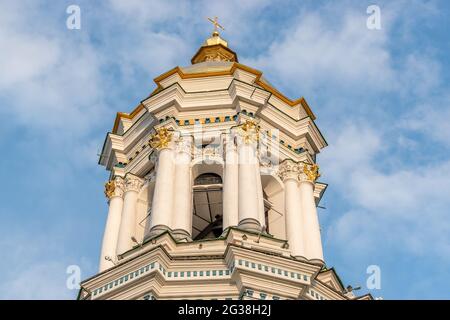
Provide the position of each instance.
(312, 172)
(110, 187)
(161, 138)
(216, 24)
(250, 131)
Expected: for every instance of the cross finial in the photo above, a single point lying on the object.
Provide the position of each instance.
(216, 25)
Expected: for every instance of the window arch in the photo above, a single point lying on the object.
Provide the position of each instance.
(208, 179)
(207, 209)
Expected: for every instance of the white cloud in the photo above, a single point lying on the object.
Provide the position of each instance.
(40, 281)
(335, 49)
(48, 81)
(24, 57)
(430, 118)
(401, 208)
(37, 267)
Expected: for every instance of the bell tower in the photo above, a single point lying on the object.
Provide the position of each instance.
(213, 191)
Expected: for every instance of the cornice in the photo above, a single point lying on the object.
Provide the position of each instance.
(236, 65)
(242, 261)
(125, 115)
(258, 74)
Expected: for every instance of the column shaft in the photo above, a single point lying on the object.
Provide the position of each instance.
(128, 220)
(111, 233)
(182, 209)
(230, 187)
(161, 215)
(259, 191)
(293, 212)
(248, 194)
(311, 226)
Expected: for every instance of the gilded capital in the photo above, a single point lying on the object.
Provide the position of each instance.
(249, 131)
(133, 183)
(161, 138)
(310, 172)
(114, 188)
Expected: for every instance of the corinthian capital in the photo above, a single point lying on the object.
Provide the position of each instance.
(309, 172)
(288, 169)
(161, 139)
(249, 131)
(184, 144)
(229, 142)
(133, 183)
(114, 188)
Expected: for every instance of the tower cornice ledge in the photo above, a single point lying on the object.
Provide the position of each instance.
(258, 80)
(243, 256)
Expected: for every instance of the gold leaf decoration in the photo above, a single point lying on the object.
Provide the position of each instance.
(110, 187)
(249, 131)
(311, 171)
(161, 138)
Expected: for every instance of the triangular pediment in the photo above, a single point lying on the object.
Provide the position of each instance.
(331, 280)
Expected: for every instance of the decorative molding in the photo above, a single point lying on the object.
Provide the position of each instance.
(156, 266)
(310, 172)
(114, 188)
(161, 139)
(184, 144)
(249, 131)
(177, 70)
(288, 170)
(133, 183)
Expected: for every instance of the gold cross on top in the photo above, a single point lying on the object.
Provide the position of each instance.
(216, 24)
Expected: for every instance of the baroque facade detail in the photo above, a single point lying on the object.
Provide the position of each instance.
(161, 138)
(226, 162)
(114, 188)
(133, 183)
(249, 131)
(184, 144)
(310, 172)
(288, 169)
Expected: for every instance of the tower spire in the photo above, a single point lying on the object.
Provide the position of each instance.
(215, 48)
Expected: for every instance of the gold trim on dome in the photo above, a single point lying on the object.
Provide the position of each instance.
(311, 172)
(215, 52)
(126, 116)
(236, 65)
(161, 138)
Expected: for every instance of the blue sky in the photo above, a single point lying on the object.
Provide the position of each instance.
(381, 98)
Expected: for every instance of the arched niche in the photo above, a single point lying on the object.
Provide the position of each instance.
(207, 209)
(211, 165)
(273, 191)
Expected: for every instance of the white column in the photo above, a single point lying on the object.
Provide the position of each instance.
(230, 186)
(128, 222)
(259, 191)
(182, 204)
(311, 226)
(161, 216)
(293, 210)
(114, 191)
(248, 194)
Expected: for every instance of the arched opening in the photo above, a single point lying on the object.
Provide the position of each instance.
(207, 208)
(273, 192)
